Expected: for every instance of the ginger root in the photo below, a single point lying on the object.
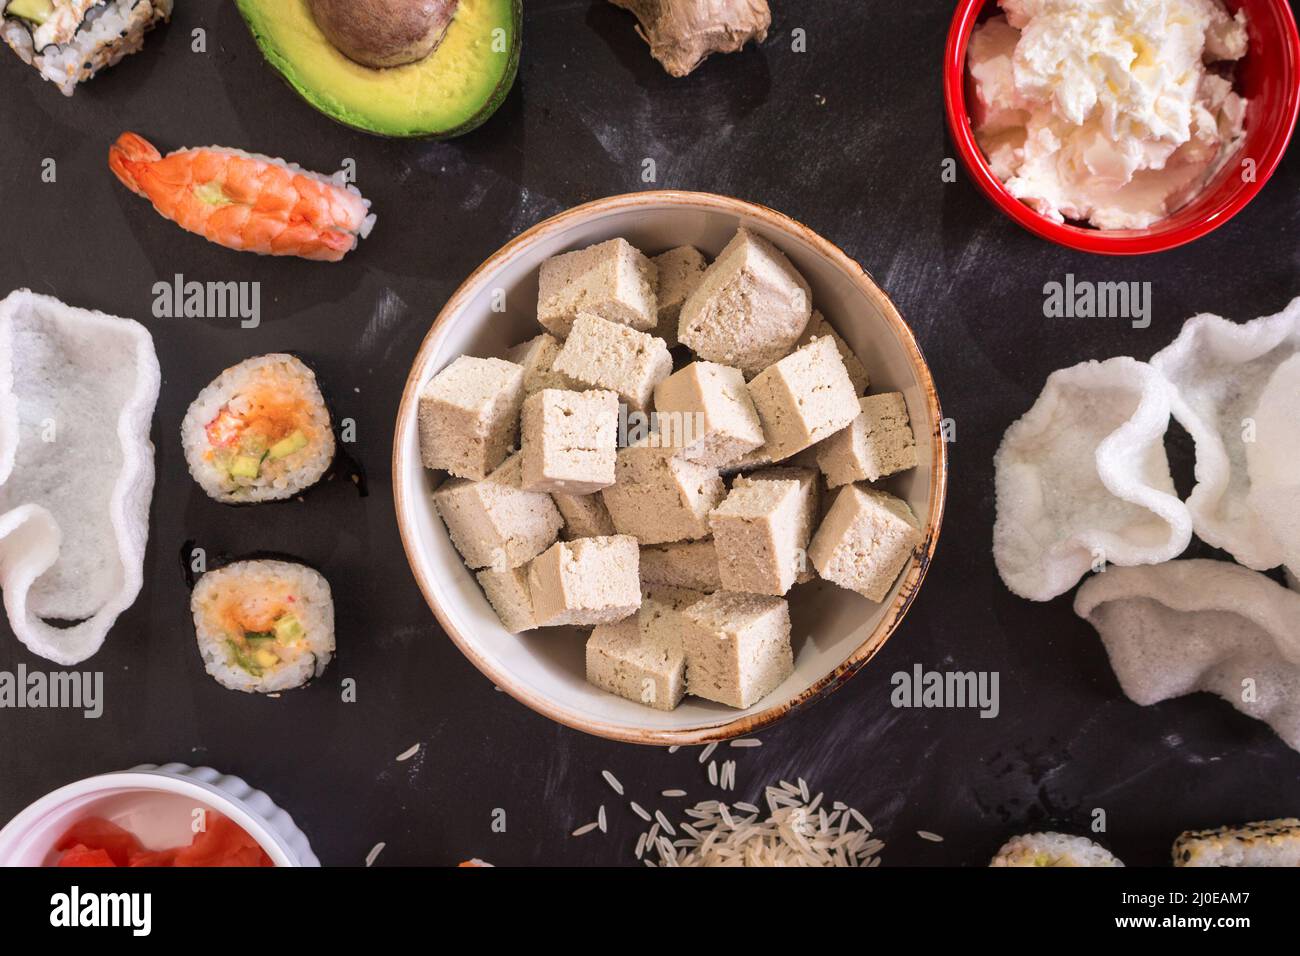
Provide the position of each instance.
(682, 33)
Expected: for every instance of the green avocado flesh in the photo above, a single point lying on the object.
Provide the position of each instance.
(446, 94)
(36, 11)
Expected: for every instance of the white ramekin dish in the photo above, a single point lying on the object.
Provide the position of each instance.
(155, 803)
(835, 631)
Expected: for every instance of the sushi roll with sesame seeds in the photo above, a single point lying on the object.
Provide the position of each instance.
(260, 432)
(69, 41)
(1265, 843)
(1053, 849)
(264, 626)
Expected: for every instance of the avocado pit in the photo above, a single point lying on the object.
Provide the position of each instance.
(384, 33)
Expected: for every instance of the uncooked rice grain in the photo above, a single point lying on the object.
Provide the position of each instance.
(408, 753)
(640, 811)
(585, 828)
(707, 752)
(373, 855)
(747, 742)
(796, 832)
(613, 782)
(927, 835)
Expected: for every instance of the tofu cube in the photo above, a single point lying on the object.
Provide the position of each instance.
(810, 486)
(507, 591)
(749, 309)
(803, 398)
(761, 533)
(865, 539)
(537, 356)
(603, 354)
(682, 564)
(659, 498)
(569, 441)
(879, 442)
(585, 516)
(680, 272)
(737, 647)
(586, 582)
(469, 416)
(641, 657)
(495, 523)
(705, 412)
(612, 280)
(819, 327)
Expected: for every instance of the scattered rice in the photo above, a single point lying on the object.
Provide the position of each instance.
(600, 819)
(713, 773)
(663, 822)
(728, 776)
(585, 828)
(640, 811)
(673, 793)
(927, 835)
(613, 782)
(373, 855)
(747, 742)
(408, 753)
(796, 832)
(707, 752)
(673, 749)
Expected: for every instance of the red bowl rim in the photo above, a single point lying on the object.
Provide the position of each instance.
(1096, 240)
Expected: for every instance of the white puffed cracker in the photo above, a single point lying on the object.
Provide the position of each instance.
(77, 396)
(1188, 626)
(1083, 479)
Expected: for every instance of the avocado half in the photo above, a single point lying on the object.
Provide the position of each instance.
(449, 93)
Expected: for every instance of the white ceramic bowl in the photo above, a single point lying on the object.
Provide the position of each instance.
(835, 631)
(156, 804)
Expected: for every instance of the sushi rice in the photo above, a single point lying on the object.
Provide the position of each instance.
(260, 432)
(1053, 849)
(264, 626)
(1263, 843)
(75, 39)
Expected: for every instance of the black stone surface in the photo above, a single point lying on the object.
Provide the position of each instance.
(847, 138)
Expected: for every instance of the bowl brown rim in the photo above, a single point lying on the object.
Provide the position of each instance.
(912, 579)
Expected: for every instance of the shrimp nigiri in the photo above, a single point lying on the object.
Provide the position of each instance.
(246, 202)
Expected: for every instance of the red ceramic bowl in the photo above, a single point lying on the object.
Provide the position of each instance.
(1269, 77)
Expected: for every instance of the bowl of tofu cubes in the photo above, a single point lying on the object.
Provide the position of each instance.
(669, 465)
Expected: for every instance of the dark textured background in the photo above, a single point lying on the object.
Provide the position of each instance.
(847, 138)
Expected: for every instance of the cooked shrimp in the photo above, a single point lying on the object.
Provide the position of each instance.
(245, 202)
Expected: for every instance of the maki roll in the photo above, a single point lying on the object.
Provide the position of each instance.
(69, 41)
(264, 626)
(260, 432)
(1053, 849)
(1266, 843)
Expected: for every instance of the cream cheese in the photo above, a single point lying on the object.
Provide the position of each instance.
(1104, 111)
